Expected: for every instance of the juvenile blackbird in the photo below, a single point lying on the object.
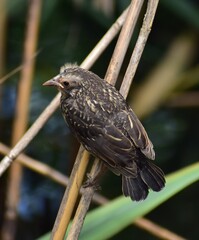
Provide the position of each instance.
(107, 127)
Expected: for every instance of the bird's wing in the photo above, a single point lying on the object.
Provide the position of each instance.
(138, 134)
(107, 142)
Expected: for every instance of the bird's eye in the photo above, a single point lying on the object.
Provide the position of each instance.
(66, 84)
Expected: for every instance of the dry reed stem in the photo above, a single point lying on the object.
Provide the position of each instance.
(82, 209)
(37, 166)
(70, 195)
(139, 47)
(123, 41)
(21, 118)
(157, 230)
(58, 177)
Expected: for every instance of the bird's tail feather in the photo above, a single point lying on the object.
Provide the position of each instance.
(149, 177)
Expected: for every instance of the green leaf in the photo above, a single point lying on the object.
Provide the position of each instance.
(106, 221)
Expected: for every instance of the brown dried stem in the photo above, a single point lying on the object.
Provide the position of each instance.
(123, 41)
(21, 117)
(139, 47)
(156, 230)
(87, 195)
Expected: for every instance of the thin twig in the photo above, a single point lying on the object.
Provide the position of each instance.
(156, 230)
(70, 194)
(58, 177)
(123, 41)
(139, 47)
(37, 166)
(82, 209)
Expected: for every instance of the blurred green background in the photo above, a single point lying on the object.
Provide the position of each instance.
(165, 94)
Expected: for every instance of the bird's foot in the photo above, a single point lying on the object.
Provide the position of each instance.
(91, 182)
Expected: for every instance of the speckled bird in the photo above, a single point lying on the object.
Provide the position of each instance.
(107, 127)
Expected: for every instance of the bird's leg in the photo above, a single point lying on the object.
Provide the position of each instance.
(92, 179)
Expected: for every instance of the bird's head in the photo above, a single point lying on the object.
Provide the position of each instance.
(69, 78)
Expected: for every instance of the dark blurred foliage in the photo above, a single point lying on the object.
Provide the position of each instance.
(68, 32)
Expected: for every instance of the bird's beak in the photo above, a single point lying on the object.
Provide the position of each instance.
(54, 82)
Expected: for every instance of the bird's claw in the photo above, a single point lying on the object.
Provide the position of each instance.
(91, 182)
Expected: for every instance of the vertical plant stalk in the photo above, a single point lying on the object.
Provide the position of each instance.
(139, 47)
(71, 194)
(21, 117)
(89, 192)
(123, 41)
